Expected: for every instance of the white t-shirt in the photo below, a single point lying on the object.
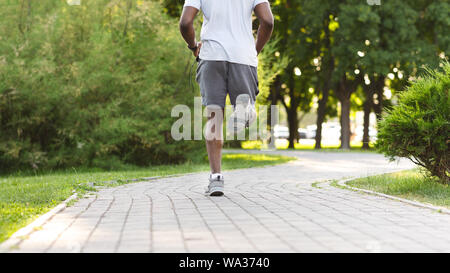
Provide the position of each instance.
(227, 30)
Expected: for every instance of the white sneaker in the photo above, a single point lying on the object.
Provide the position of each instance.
(216, 185)
(243, 116)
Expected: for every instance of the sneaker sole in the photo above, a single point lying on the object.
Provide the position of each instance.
(216, 192)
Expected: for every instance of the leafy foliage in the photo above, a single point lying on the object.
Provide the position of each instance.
(90, 85)
(418, 128)
(269, 67)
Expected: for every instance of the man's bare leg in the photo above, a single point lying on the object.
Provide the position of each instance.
(214, 148)
(214, 142)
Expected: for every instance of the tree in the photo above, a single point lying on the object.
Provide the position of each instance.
(291, 87)
(80, 87)
(172, 7)
(321, 24)
(270, 66)
(418, 127)
(382, 46)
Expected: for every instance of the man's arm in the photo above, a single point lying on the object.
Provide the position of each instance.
(187, 29)
(265, 17)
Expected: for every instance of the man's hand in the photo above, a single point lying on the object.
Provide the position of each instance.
(187, 29)
(264, 14)
(196, 50)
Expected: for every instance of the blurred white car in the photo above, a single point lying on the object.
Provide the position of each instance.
(281, 131)
(302, 133)
(311, 131)
(359, 133)
(331, 131)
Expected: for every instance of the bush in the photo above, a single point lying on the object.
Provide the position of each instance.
(90, 85)
(418, 128)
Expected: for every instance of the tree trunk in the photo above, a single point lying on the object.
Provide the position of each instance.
(344, 90)
(321, 111)
(321, 118)
(378, 108)
(292, 111)
(274, 94)
(367, 110)
(293, 127)
(345, 123)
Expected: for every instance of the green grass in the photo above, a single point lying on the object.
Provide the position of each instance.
(283, 144)
(24, 197)
(412, 185)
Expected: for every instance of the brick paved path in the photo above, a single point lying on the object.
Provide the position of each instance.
(271, 209)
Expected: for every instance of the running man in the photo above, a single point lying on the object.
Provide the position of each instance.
(227, 55)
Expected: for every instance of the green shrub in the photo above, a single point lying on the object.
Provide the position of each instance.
(90, 85)
(418, 128)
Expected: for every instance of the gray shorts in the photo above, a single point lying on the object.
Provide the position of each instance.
(219, 78)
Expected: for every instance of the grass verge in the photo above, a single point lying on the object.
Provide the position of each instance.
(411, 184)
(25, 197)
(283, 144)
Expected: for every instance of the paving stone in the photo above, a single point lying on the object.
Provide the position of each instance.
(270, 209)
